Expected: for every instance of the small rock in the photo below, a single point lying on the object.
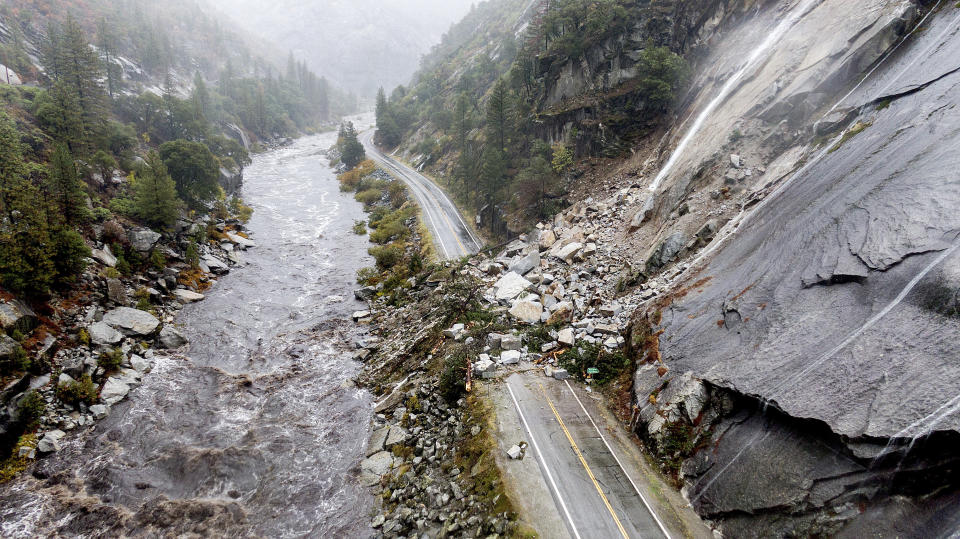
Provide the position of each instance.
(187, 296)
(100, 411)
(360, 315)
(526, 311)
(515, 452)
(561, 374)
(565, 337)
(510, 342)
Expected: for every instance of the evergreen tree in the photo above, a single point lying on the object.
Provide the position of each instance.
(69, 254)
(66, 188)
(351, 150)
(200, 97)
(59, 114)
(155, 193)
(194, 170)
(25, 249)
(461, 132)
(106, 42)
(79, 68)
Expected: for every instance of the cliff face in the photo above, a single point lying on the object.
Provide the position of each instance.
(815, 336)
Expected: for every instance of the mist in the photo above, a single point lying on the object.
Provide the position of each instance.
(360, 44)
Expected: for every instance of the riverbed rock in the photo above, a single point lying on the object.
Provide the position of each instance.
(170, 338)
(99, 411)
(240, 241)
(187, 296)
(510, 286)
(114, 390)
(143, 239)
(377, 440)
(50, 443)
(377, 464)
(132, 322)
(215, 264)
(102, 334)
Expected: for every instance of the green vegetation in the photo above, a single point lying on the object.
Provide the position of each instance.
(110, 360)
(475, 116)
(857, 128)
(586, 356)
(31, 409)
(194, 170)
(351, 151)
(77, 391)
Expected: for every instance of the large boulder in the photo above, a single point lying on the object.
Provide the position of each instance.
(240, 241)
(527, 311)
(102, 334)
(666, 252)
(132, 322)
(8, 347)
(510, 286)
(114, 390)
(171, 338)
(116, 292)
(143, 239)
(187, 296)
(104, 256)
(16, 315)
(525, 264)
(50, 443)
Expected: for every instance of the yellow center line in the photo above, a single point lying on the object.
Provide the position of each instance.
(583, 461)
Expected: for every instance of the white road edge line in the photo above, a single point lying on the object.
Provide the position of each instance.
(615, 457)
(423, 205)
(543, 463)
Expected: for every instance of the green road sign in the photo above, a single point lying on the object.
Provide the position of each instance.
(593, 370)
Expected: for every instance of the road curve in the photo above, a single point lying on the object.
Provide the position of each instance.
(451, 234)
(593, 491)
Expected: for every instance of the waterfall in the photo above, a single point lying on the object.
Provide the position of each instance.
(752, 61)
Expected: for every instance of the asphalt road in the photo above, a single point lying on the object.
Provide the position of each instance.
(451, 235)
(592, 490)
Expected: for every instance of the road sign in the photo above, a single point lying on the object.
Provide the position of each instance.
(593, 370)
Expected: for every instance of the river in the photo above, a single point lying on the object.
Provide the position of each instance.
(255, 429)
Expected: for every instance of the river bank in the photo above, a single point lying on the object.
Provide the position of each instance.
(251, 428)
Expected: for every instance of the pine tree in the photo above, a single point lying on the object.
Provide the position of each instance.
(200, 97)
(106, 42)
(66, 188)
(461, 130)
(155, 193)
(59, 114)
(81, 72)
(351, 150)
(25, 248)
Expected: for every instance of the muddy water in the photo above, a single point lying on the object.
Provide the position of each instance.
(255, 430)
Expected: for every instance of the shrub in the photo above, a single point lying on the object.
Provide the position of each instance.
(83, 337)
(77, 391)
(31, 409)
(240, 210)
(18, 362)
(351, 179)
(193, 255)
(113, 233)
(157, 260)
(360, 227)
(369, 197)
(453, 377)
(110, 360)
(111, 273)
(387, 256)
(585, 356)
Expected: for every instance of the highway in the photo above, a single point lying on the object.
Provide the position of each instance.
(594, 493)
(451, 234)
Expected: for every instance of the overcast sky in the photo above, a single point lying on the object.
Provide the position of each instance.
(359, 44)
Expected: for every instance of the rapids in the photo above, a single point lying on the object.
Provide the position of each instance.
(255, 429)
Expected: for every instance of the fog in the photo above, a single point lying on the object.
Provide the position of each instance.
(358, 44)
